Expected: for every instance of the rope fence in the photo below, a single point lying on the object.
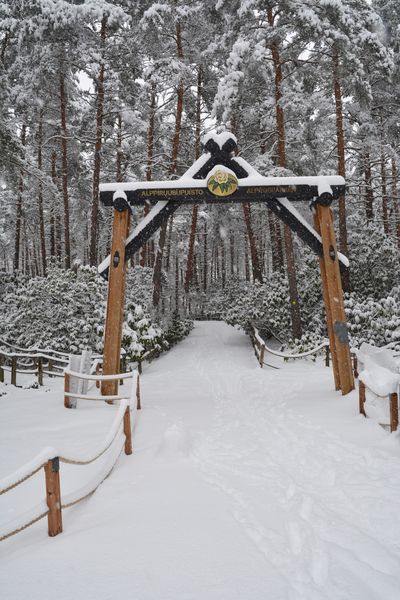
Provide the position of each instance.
(119, 437)
(260, 347)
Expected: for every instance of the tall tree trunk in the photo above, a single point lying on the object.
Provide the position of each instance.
(255, 261)
(64, 171)
(40, 194)
(97, 152)
(223, 263)
(172, 171)
(195, 210)
(176, 280)
(146, 254)
(280, 128)
(246, 259)
(369, 195)
(205, 258)
(343, 246)
(19, 208)
(396, 207)
(118, 162)
(385, 213)
(52, 211)
(232, 251)
(4, 45)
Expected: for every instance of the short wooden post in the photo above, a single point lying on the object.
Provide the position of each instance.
(98, 368)
(53, 496)
(67, 384)
(122, 369)
(128, 431)
(361, 397)
(50, 367)
(262, 352)
(138, 401)
(1, 368)
(327, 356)
(355, 366)
(115, 298)
(14, 370)
(394, 412)
(334, 296)
(40, 370)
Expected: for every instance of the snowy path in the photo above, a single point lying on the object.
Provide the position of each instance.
(245, 484)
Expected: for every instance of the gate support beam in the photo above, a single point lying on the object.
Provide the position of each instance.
(116, 294)
(333, 298)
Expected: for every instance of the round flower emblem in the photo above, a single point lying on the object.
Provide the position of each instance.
(222, 183)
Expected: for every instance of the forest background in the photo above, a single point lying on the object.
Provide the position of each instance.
(95, 91)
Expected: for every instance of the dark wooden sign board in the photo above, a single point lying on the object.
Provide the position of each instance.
(230, 180)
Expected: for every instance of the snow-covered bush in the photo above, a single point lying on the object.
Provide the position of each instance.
(140, 334)
(178, 329)
(139, 286)
(374, 262)
(63, 311)
(374, 321)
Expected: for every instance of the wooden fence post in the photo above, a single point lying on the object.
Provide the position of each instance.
(361, 397)
(53, 496)
(40, 370)
(138, 405)
(50, 366)
(14, 370)
(1, 368)
(67, 381)
(394, 412)
(127, 431)
(327, 356)
(262, 351)
(355, 366)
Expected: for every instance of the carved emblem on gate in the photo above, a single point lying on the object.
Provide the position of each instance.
(222, 183)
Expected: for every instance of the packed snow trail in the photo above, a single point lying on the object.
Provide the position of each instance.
(245, 484)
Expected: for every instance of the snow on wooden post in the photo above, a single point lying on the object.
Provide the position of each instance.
(361, 397)
(72, 384)
(394, 412)
(334, 294)
(128, 431)
(116, 294)
(53, 496)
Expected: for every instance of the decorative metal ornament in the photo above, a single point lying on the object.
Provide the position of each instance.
(222, 183)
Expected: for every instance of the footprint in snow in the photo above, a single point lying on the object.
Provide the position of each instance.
(175, 442)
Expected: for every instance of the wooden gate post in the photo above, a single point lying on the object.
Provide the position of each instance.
(328, 313)
(337, 328)
(116, 294)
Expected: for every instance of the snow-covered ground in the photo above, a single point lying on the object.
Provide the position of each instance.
(244, 484)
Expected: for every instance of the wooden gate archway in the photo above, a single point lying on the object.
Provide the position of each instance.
(219, 176)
